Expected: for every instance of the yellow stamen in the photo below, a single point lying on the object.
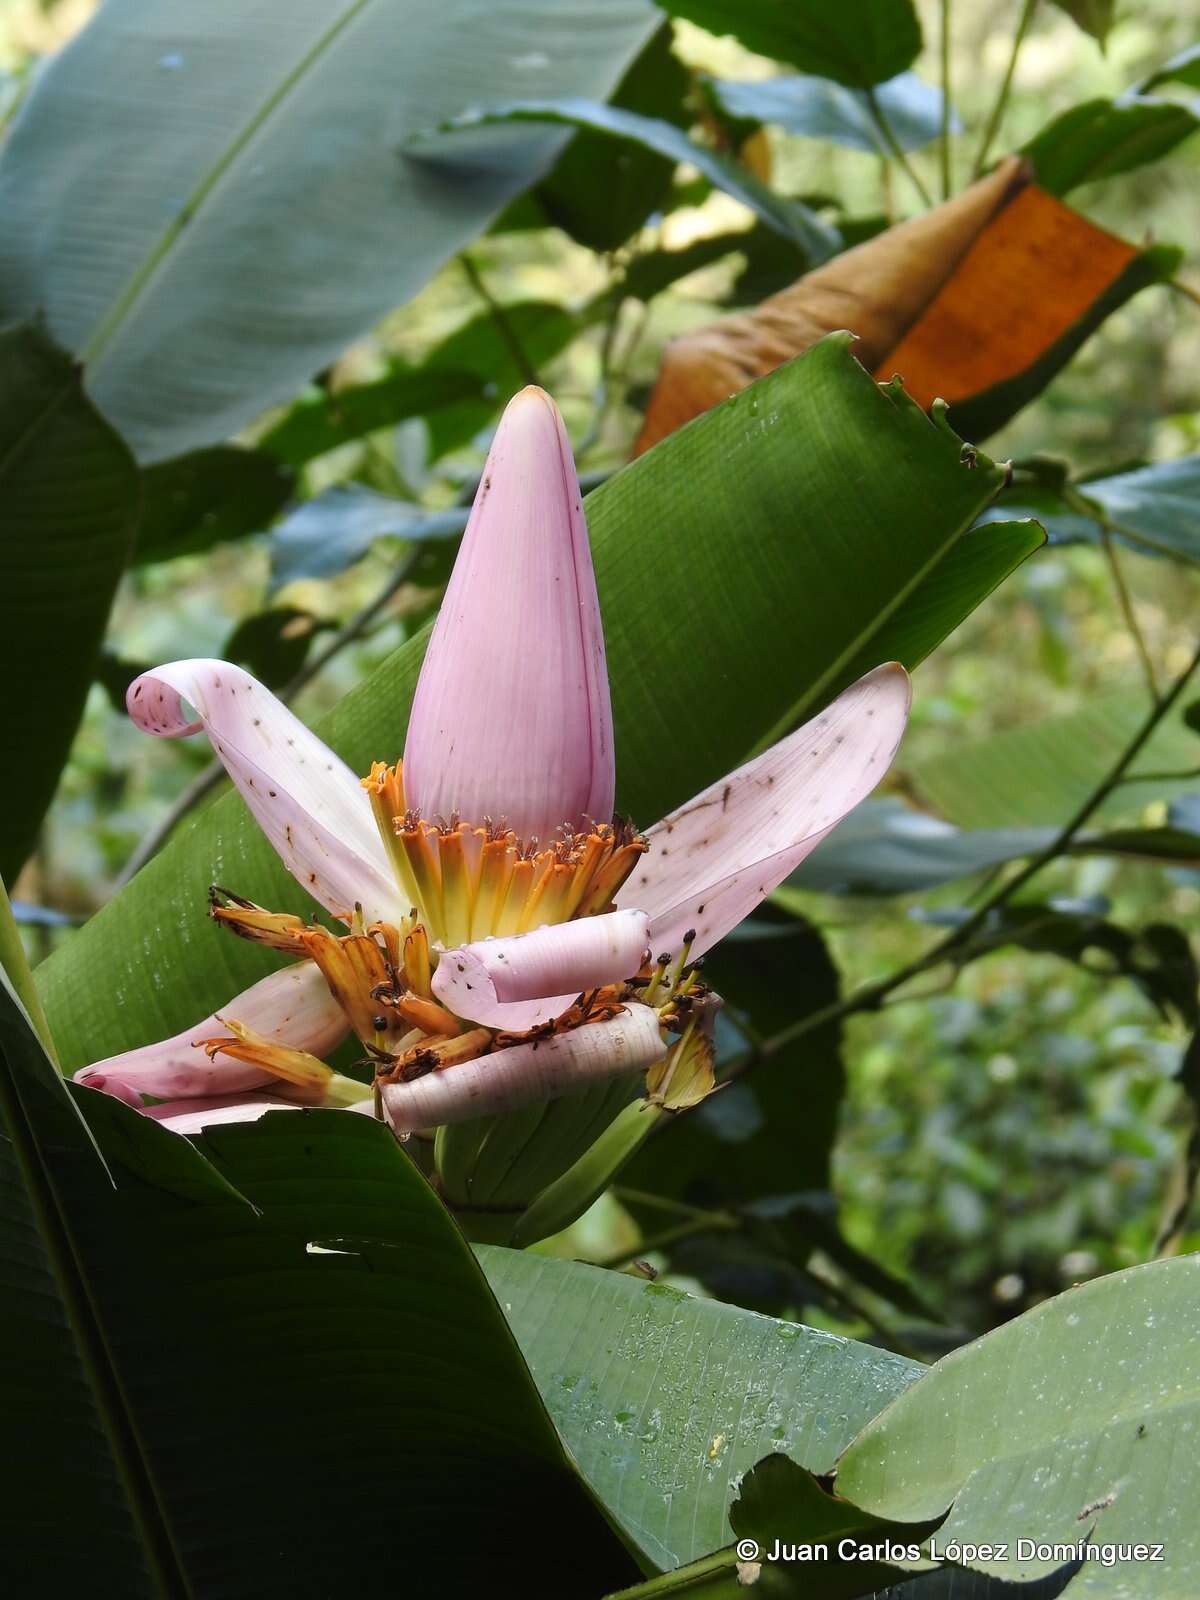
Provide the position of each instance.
(385, 785)
(547, 901)
(525, 872)
(283, 1061)
(391, 941)
(418, 971)
(589, 857)
(460, 860)
(427, 1015)
(496, 861)
(353, 966)
(278, 930)
(419, 842)
(612, 874)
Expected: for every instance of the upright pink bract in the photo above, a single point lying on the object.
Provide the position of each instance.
(512, 717)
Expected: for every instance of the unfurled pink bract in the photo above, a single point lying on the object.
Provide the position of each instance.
(509, 940)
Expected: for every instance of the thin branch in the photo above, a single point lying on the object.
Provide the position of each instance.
(603, 390)
(954, 946)
(895, 148)
(1125, 602)
(1185, 289)
(1183, 776)
(993, 123)
(944, 131)
(849, 1304)
(500, 317)
(711, 1222)
(1176, 1223)
(207, 780)
(1093, 511)
(661, 1202)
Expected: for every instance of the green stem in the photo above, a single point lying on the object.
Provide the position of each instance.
(1125, 601)
(993, 124)
(1182, 776)
(871, 996)
(895, 148)
(1095, 512)
(660, 1202)
(500, 317)
(603, 391)
(853, 1308)
(710, 1222)
(15, 962)
(711, 1575)
(944, 131)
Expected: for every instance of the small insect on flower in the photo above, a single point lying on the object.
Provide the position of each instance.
(498, 920)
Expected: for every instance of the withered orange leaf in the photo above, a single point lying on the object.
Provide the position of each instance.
(1001, 280)
(877, 290)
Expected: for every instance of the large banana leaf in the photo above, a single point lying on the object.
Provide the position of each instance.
(748, 567)
(266, 1367)
(1071, 1424)
(665, 1400)
(209, 200)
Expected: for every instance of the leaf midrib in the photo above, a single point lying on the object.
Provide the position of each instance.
(811, 697)
(113, 319)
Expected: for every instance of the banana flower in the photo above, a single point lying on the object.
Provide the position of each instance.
(504, 942)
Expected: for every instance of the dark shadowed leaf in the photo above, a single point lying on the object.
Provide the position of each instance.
(274, 644)
(769, 1134)
(600, 190)
(320, 421)
(164, 1300)
(195, 501)
(63, 1417)
(69, 503)
(855, 42)
(655, 270)
(331, 532)
(887, 848)
(542, 329)
(1093, 16)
